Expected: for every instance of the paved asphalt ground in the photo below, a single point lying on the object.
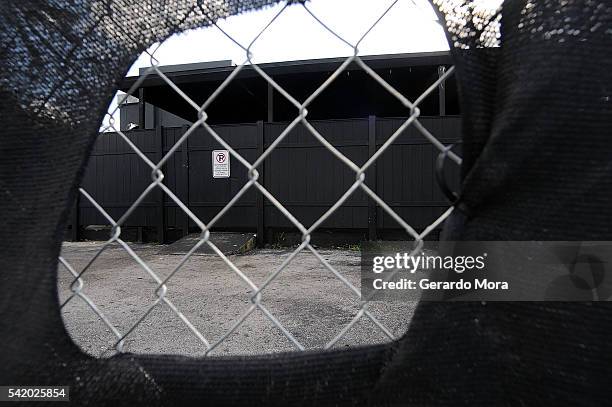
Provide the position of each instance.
(308, 299)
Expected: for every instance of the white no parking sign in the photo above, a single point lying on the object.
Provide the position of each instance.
(220, 164)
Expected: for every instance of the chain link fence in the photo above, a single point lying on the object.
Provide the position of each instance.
(258, 292)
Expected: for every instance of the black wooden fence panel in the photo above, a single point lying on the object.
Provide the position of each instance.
(406, 171)
(307, 178)
(301, 173)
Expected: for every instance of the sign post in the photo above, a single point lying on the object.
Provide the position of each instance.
(220, 164)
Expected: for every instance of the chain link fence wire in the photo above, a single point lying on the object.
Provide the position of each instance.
(257, 299)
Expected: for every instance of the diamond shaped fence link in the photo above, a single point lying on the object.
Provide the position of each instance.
(157, 176)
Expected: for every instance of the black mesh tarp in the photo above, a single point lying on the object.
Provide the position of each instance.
(535, 84)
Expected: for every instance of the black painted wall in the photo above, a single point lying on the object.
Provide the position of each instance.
(300, 172)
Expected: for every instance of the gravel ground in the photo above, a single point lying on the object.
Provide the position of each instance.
(306, 298)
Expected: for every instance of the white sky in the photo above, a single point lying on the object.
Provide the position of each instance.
(296, 35)
(408, 27)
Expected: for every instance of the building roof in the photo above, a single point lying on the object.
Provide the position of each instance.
(218, 70)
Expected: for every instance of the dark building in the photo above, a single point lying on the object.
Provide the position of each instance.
(355, 114)
(249, 98)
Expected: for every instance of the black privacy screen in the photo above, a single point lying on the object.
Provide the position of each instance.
(535, 88)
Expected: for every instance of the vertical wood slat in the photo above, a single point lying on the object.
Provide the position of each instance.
(371, 178)
(184, 181)
(161, 212)
(269, 131)
(259, 199)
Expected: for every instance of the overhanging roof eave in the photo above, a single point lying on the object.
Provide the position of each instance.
(292, 67)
